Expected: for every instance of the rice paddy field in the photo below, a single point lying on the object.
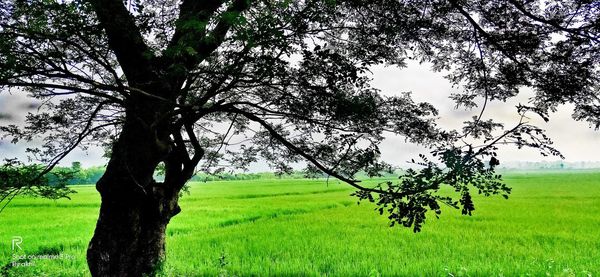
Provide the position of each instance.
(550, 226)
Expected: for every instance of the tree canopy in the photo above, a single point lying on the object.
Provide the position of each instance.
(290, 79)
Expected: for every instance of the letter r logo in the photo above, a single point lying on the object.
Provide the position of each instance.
(16, 241)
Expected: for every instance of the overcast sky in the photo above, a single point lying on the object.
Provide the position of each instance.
(574, 139)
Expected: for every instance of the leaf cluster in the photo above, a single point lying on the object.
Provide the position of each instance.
(32, 180)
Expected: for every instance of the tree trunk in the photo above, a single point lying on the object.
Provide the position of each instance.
(129, 239)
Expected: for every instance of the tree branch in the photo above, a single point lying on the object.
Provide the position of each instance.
(191, 31)
(485, 34)
(554, 24)
(125, 39)
(73, 90)
(307, 156)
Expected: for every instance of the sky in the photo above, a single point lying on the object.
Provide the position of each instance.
(576, 140)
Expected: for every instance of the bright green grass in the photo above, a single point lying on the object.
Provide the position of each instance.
(549, 227)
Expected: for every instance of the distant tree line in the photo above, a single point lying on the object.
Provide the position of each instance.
(91, 175)
(546, 165)
(80, 175)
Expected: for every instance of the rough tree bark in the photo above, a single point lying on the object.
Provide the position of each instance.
(130, 233)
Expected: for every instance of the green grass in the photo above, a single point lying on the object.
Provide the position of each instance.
(550, 226)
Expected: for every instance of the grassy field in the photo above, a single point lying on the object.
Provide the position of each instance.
(549, 227)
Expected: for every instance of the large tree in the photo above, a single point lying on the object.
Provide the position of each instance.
(187, 85)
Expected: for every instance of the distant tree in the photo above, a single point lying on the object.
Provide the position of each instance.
(191, 85)
(93, 174)
(76, 166)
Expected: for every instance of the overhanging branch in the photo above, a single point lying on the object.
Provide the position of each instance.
(308, 157)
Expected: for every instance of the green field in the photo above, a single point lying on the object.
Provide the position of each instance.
(550, 226)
